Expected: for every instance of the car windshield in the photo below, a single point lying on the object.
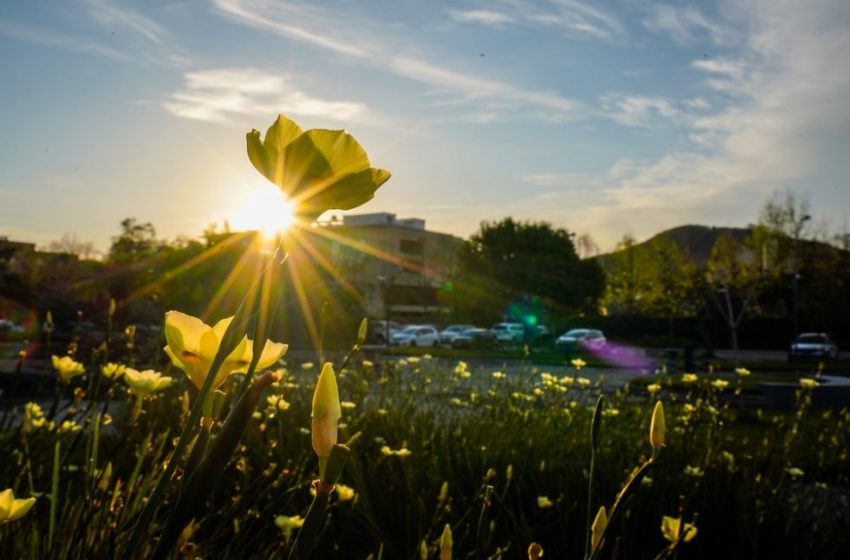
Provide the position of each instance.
(575, 333)
(411, 329)
(811, 339)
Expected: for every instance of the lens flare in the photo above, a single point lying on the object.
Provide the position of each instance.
(263, 209)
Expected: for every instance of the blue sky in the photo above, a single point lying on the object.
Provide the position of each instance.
(603, 117)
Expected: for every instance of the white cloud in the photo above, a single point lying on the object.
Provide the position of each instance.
(57, 39)
(686, 25)
(638, 110)
(484, 17)
(216, 95)
(111, 15)
(781, 123)
(575, 18)
(493, 99)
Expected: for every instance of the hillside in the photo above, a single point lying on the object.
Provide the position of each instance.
(695, 240)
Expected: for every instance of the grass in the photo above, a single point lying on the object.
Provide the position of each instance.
(498, 444)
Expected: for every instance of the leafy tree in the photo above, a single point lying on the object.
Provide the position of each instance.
(512, 268)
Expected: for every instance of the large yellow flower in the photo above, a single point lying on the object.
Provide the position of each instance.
(317, 170)
(192, 345)
(12, 509)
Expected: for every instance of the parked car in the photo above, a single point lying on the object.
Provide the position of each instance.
(813, 345)
(580, 339)
(416, 335)
(508, 332)
(448, 334)
(474, 337)
(10, 326)
(378, 331)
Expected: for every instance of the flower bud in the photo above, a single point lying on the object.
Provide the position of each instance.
(598, 527)
(657, 427)
(446, 543)
(326, 412)
(361, 332)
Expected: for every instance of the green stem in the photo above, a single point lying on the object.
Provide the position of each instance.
(54, 494)
(594, 443)
(308, 535)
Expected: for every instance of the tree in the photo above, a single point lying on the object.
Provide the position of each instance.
(733, 279)
(136, 242)
(70, 245)
(511, 268)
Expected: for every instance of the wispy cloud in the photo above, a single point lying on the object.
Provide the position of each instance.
(778, 125)
(484, 17)
(493, 98)
(111, 15)
(216, 95)
(575, 18)
(639, 110)
(56, 39)
(686, 25)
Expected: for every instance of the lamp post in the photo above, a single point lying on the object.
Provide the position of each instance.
(795, 278)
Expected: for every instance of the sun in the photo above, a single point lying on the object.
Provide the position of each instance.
(263, 209)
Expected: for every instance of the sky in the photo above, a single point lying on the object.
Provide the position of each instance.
(605, 118)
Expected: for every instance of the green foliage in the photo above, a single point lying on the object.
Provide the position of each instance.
(508, 261)
(752, 480)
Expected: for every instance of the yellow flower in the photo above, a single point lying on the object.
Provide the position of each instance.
(795, 472)
(148, 381)
(498, 375)
(113, 370)
(544, 502)
(657, 427)
(33, 417)
(689, 377)
(348, 405)
(68, 426)
(345, 493)
(742, 371)
(808, 383)
(192, 346)
(326, 412)
(317, 170)
(535, 551)
(653, 388)
(578, 363)
(720, 384)
(402, 452)
(598, 527)
(696, 472)
(288, 523)
(673, 531)
(12, 509)
(67, 367)
(583, 381)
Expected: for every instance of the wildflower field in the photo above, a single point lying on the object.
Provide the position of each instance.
(210, 441)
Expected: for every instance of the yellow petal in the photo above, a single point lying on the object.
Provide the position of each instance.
(183, 332)
(272, 352)
(342, 152)
(7, 498)
(598, 527)
(281, 133)
(20, 508)
(657, 427)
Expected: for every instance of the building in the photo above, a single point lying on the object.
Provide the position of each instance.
(399, 267)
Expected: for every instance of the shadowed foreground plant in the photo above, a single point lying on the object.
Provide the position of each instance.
(332, 458)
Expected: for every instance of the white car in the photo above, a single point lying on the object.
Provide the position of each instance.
(813, 345)
(416, 335)
(581, 339)
(508, 332)
(448, 334)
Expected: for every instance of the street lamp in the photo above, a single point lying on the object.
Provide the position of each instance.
(795, 279)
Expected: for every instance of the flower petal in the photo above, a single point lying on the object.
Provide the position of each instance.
(272, 352)
(183, 332)
(20, 508)
(7, 498)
